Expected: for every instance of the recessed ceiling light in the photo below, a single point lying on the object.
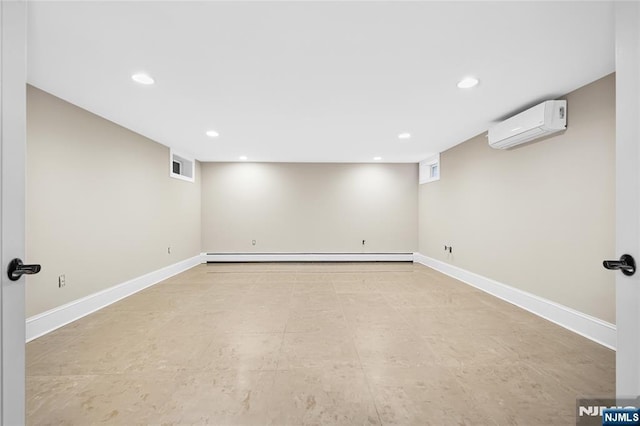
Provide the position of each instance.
(467, 82)
(243, 157)
(404, 136)
(377, 158)
(143, 78)
(212, 133)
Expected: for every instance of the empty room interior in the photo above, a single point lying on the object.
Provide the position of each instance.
(349, 213)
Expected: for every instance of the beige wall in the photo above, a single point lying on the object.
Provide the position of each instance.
(101, 208)
(309, 208)
(539, 217)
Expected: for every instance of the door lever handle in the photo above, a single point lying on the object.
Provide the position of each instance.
(17, 269)
(626, 264)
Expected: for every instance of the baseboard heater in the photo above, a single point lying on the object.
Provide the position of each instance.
(306, 257)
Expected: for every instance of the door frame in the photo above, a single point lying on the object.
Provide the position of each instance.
(13, 72)
(627, 36)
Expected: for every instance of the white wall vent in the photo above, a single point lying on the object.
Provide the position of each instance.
(429, 169)
(542, 120)
(181, 167)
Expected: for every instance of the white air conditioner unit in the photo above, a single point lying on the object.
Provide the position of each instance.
(542, 120)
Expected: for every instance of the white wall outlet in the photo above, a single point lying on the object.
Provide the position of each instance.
(253, 242)
(62, 281)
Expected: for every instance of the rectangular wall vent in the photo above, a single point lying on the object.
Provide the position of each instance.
(181, 167)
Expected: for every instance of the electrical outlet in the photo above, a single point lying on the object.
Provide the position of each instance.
(363, 241)
(253, 242)
(62, 281)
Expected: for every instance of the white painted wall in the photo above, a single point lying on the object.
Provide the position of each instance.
(539, 217)
(309, 208)
(101, 207)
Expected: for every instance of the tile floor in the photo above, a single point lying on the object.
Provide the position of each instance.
(294, 344)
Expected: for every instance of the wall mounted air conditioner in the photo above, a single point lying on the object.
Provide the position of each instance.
(542, 120)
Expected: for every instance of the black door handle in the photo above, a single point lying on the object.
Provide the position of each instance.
(626, 264)
(17, 269)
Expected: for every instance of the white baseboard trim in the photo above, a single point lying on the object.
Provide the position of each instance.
(585, 325)
(307, 257)
(46, 322)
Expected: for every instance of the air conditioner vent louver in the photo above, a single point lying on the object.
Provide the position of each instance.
(542, 120)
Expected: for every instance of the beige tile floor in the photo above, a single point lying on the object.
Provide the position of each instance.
(294, 344)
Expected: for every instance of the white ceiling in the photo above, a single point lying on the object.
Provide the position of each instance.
(315, 81)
